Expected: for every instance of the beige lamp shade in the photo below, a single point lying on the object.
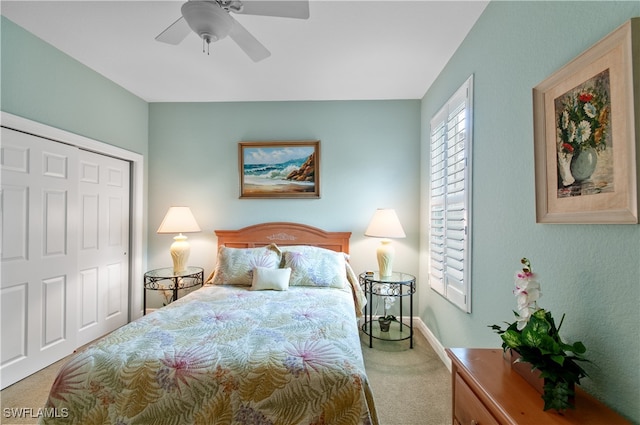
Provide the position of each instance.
(179, 220)
(385, 224)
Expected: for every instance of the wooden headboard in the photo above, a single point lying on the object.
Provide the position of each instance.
(283, 233)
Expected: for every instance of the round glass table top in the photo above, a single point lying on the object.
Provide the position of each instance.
(167, 272)
(395, 277)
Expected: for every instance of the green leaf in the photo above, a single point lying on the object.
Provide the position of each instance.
(556, 395)
(511, 338)
(531, 337)
(539, 323)
(579, 348)
(496, 328)
(558, 359)
(548, 345)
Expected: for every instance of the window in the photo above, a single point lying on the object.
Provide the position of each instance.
(450, 199)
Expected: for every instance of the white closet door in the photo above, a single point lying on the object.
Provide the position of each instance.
(38, 199)
(103, 252)
(65, 250)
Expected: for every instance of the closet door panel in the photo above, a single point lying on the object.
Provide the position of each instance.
(39, 195)
(103, 254)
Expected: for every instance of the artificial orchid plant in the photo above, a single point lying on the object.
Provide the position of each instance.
(536, 338)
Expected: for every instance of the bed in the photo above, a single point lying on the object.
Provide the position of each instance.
(272, 338)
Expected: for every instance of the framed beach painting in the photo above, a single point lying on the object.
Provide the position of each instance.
(586, 120)
(279, 169)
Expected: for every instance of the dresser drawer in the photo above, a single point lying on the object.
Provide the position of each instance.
(468, 410)
(496, 394)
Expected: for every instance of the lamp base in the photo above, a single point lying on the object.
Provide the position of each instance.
(385, 254)
(180, 251)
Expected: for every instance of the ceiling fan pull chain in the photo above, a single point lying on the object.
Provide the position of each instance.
(206, 38)
(208, 41)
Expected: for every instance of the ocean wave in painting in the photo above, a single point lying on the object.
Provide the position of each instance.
(271, 174)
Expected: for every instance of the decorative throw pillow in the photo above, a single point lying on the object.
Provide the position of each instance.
(235, 265)
(276, 279)
(314, 266)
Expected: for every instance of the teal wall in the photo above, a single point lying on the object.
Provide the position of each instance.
(589, 272)
(45, 85)
(369, 158)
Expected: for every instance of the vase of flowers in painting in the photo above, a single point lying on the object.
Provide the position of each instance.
(582, 125)
(583, 164)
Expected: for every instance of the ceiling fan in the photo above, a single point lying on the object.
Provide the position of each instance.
(212, 21)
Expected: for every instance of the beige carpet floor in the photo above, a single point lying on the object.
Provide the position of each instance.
(29, 393)
(410, 386)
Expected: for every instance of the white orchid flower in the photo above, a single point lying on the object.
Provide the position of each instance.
(527, 292)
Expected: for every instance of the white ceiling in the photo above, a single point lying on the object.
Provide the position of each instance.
(346, 50)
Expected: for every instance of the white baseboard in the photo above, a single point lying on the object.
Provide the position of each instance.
(433, 341)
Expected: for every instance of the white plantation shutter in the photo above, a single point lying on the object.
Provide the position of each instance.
(450, 199)
(437, 203)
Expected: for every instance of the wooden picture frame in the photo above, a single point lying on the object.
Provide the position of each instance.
(586, 130)
(279, 169)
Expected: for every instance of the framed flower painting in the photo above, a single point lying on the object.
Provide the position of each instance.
(587, 132)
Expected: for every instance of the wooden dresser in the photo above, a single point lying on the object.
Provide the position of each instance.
(487, 392)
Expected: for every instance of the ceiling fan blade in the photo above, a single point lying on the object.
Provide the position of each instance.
(175, 33)
(283, 8)
(251, 46)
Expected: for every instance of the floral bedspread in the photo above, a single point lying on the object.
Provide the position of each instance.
(224, 355)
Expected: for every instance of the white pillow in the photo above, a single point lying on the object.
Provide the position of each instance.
(276, 279)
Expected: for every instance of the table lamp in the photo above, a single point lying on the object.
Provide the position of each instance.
(179, 220)
(385, 224)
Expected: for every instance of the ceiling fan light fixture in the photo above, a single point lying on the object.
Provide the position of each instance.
(207, 19)
(211, 20)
